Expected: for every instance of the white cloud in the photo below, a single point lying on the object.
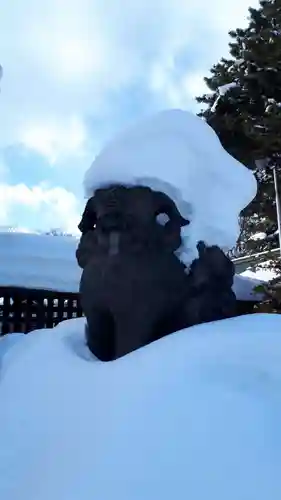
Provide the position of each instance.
(194, 84)
(62, 57)
(56, 207)
(178, 92)
(216, 18)
(53, 139)
(64, 60)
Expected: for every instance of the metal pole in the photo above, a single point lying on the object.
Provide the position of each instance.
(278, 209)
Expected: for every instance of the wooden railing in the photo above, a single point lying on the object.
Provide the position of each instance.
(24, 310)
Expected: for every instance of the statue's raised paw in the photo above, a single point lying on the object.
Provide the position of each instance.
(211, 269)
(210, 295)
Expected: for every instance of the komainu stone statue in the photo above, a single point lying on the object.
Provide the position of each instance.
(134, 289)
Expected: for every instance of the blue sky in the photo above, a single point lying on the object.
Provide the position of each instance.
(76, 71)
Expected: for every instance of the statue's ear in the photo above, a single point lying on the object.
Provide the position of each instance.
(164, 205)
(89, 217)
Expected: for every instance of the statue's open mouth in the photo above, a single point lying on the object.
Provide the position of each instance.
(113, 242)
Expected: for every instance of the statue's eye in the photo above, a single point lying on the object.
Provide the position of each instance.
(88, 221)
(162, 218)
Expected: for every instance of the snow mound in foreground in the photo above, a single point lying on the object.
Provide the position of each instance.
(178, 153)
(195, 415)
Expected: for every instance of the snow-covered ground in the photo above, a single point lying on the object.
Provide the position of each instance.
(178, 153)
(195, 415)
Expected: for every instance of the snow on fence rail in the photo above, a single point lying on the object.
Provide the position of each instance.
(243, 263)
(23, 310)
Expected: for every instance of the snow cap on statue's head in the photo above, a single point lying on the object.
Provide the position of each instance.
(178, 153)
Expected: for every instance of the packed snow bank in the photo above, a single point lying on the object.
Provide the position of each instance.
(8, 341)
(246, 282)
(178, 153)
(263, 275)
(39, 261)
(195, 415)
(244, 287)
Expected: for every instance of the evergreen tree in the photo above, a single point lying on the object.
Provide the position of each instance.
(244, 109)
